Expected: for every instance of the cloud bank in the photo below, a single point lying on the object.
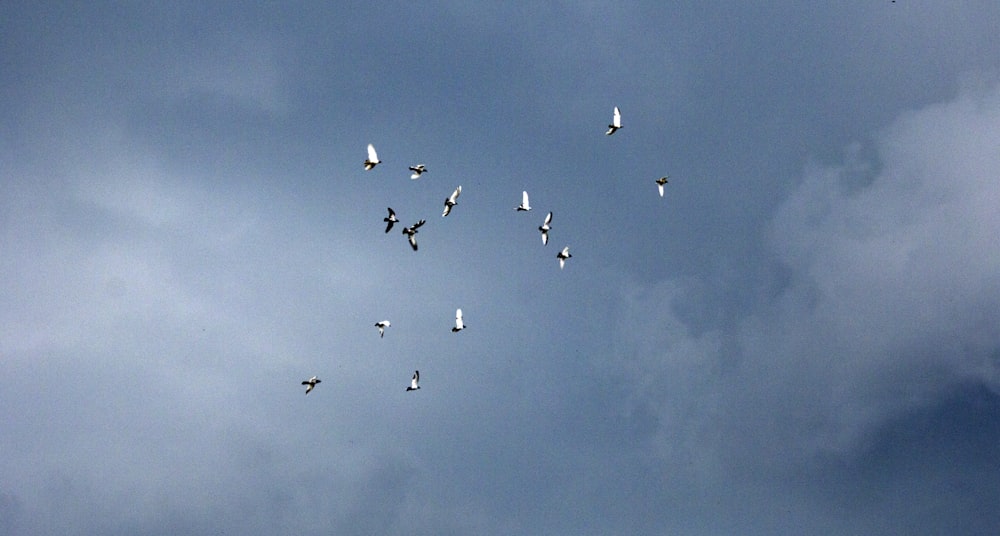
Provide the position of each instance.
(889, 299)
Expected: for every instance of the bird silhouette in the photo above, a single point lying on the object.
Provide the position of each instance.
(616, 122)
(524, 206)
(562, 256)
(415, 381)
(545, 228)
(372, 159)
(451, 201)
(310, 383)
(411, 232)
(417, 171)
(390, 219)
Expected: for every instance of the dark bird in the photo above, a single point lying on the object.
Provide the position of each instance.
(391, 219)
(411, 231)
(311, 382)
(417, 170)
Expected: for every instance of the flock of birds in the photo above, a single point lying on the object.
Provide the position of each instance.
(449, 203)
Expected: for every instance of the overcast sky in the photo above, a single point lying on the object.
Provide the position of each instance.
(801, 337)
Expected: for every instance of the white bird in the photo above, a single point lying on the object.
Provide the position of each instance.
(459, 324)
(391, 219)
(415, 381)
(411, 231)
(545, 228)
(451, 201)
(562, 256)
(372, 160)
(616, 122)
(660, 182)
(311, 382)
(381, 327)
(417, 170)
(524, 203)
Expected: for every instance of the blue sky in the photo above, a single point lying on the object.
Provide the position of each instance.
(801, 336)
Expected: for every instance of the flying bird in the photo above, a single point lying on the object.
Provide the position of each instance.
(417, 170)
(381, 327)
(660, 182)
(415, 381)
(459, 324)
(545, 228)
(311, 382)
(562, 256)
(524, 203)
(391, 219)
(616, 122)
(411, 231)
(451, 201)
(372, 160)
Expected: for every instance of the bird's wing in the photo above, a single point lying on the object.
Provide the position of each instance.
(545, 238)
(413, 241)
(660, 186)
(617, 121)
(455, 194)
(548, 218)
(524, 199)
(419, 223)
(372, 155)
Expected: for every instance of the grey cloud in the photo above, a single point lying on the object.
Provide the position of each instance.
(889, 308)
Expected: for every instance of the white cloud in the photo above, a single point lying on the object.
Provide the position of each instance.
(893, 298)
